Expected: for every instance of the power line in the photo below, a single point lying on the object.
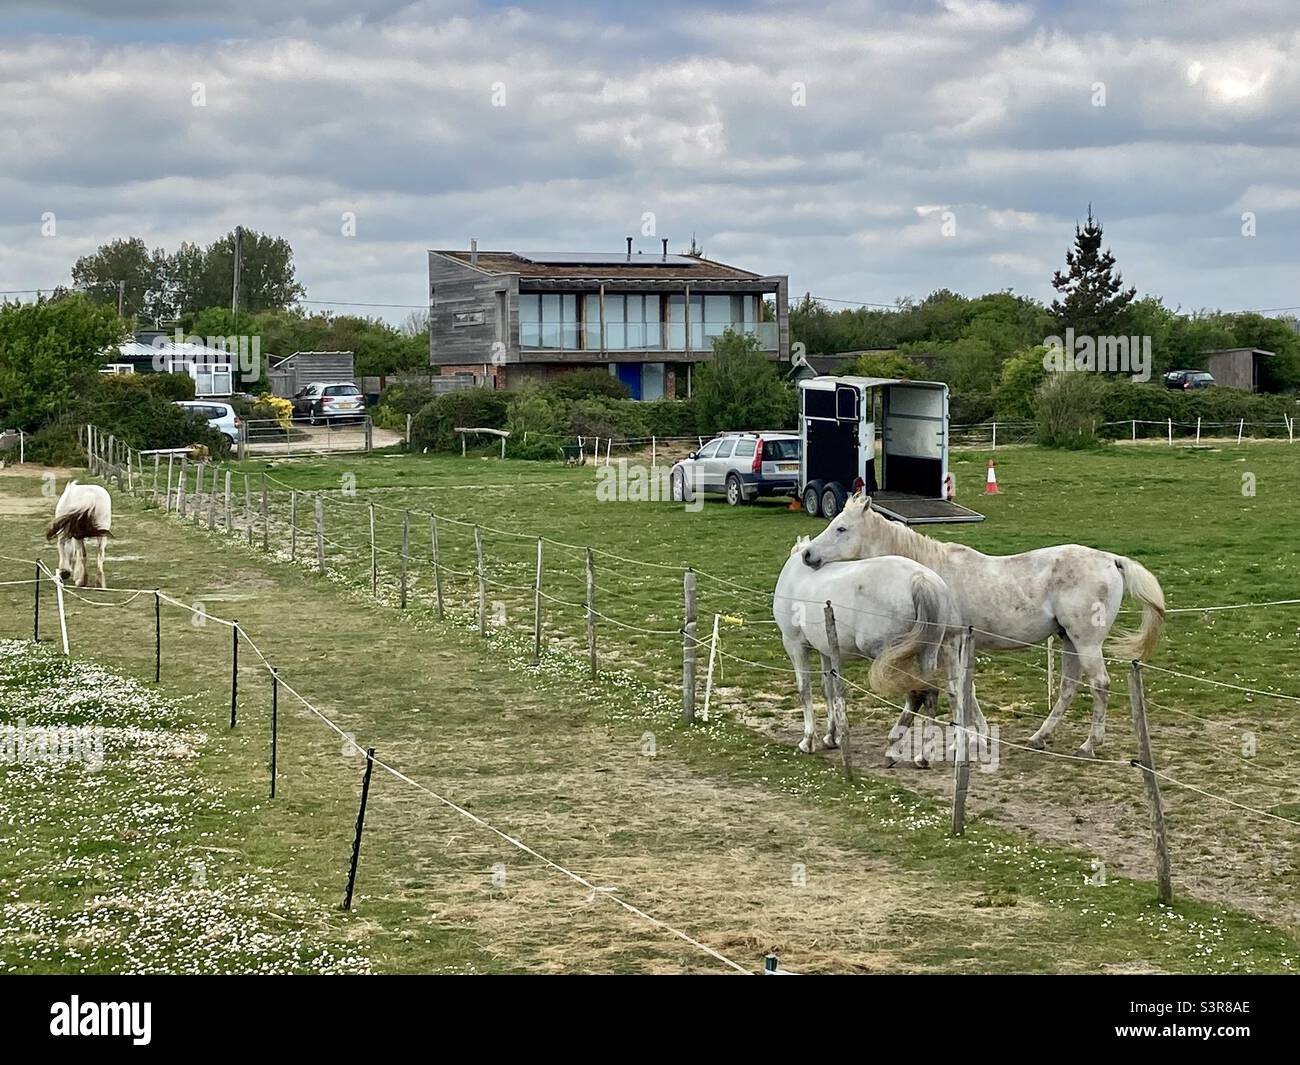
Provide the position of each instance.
(350, 303)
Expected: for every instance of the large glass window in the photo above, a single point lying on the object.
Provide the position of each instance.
(631, 321)
(548, 320)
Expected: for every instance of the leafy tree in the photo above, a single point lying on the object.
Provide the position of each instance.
(1093, 296)
(1022, 374)
(739, 388)
(50, 354)
(162, 286)
(129, 261)
(883, 364)
(266, 275)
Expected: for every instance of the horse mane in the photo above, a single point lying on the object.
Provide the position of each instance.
(899, 539)
(76, 525)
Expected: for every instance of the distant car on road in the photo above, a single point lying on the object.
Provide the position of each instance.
(742, 466)
(220, 416)
(1189, 379)
(327, 401)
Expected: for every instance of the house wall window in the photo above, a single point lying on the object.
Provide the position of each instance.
(631, 321)
(210, 378)
(548, 320)
(712, 314)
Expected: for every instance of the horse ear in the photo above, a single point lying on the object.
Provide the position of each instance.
(866, 503)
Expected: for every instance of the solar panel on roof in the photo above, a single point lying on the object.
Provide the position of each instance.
(604, 258)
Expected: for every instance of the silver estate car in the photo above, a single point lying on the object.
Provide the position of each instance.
(741, 466)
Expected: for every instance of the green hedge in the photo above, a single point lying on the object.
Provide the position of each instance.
(434, 426)
(1124, 401)
(137, 409)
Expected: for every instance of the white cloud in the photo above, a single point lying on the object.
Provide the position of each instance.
(387, 111)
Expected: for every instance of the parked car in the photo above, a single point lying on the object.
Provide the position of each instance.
(742, 466)
(220, 416)
(326, 401)
(1189, 379)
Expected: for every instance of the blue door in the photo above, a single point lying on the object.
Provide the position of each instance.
(630, 374)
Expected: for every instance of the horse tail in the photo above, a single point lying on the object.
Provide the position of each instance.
(907, 663)
(76, 525)
(1141, 584)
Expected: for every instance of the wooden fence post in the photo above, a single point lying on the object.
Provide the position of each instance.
(688, 647)
(482, 581)
(361, 821)
(537, 606)
(180, 491)
(961, 759)
(157, 638)
(1051, 680)
(157, 462)
(293, 525)
(266, 518)
(374, 560)
(591, 612)
(1146, 763)
(836, 708)
(275, 722)
(437, 566)
(320, 534)
(212, 501)
(406, 554)
(36, 606)
(234, 670)
(248, 510)
(199, 471)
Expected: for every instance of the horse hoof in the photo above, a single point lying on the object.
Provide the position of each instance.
(920, 763)
(829, 742)
(1036, 743)
(1083, 752)
(806, 745)
(890, 762)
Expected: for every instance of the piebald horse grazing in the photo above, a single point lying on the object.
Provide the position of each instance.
(891, 610)
(84, 512)
(1017, 601)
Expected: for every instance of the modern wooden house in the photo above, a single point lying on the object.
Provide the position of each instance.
(648, 317)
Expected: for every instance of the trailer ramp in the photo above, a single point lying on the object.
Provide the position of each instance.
(921, 510)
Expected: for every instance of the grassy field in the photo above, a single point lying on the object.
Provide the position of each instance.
(720, 829)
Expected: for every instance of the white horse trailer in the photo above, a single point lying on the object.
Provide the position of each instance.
(908, 481)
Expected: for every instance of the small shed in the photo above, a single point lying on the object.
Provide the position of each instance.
(297, 371)
(1237, 367)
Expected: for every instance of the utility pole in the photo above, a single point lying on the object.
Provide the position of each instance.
(121, 299)
(234, 288)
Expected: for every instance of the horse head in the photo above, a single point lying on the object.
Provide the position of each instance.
(845, 537)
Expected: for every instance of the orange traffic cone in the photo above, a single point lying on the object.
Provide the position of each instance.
(991, 487)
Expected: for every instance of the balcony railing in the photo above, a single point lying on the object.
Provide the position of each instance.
(638, 336)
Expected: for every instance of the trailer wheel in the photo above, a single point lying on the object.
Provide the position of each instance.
(812, 498)
(833, 497)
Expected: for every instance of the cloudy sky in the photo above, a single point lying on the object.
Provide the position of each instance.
(870, 150)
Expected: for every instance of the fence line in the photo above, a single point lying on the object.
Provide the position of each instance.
(691, 644)
(514, 841)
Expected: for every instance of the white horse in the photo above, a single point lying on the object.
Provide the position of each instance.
(1016, 601)
(891, 610)
(84, 512)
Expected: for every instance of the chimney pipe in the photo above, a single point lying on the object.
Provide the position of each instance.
(473, 252)
(629, 249)
(665, 240)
